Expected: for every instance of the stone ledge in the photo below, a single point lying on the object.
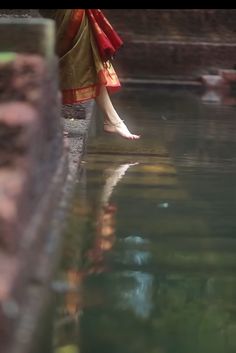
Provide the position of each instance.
(19, 13)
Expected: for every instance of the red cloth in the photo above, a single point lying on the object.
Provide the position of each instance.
(108, 41)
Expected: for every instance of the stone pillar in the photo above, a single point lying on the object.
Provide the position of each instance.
(28, 35)
(30, 149)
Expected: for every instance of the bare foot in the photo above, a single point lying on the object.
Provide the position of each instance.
(121, 129)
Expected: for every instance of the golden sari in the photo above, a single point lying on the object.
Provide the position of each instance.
(82, 69)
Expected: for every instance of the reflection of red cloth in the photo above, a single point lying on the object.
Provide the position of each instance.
(108, 41)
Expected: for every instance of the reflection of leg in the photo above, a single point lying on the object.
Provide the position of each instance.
(112, 121)
(72, 297)
(112, 181)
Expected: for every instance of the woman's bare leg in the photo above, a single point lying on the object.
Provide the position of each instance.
(112, 121)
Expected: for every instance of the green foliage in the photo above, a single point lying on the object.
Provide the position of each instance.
(7, 56)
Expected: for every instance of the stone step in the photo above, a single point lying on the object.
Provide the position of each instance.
(210, 37)
(183, 60)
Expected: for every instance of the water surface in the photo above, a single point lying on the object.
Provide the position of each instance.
(149, 257)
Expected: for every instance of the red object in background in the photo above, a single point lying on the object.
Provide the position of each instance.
(228, 75)
(108, 41)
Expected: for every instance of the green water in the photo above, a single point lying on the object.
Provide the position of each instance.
(149, 257)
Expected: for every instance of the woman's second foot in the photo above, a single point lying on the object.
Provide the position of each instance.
(121, 129)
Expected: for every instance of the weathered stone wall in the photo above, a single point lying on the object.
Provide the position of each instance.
(178, 44)
(181, 23)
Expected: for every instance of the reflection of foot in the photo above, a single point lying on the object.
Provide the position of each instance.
(121, 129)
(113, 179)
(121, 170)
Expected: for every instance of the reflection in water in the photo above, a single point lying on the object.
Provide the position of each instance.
(212, 96)
(149, 258)
(217, 97)
(139, 297)
(103, 240)
(106, 223)
(114, 175)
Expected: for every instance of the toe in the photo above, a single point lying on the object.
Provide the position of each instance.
(136, 137)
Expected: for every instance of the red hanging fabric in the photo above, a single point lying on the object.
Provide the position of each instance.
(107, 40)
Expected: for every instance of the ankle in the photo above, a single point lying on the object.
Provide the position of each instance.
(112, 124)
(112, 119)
